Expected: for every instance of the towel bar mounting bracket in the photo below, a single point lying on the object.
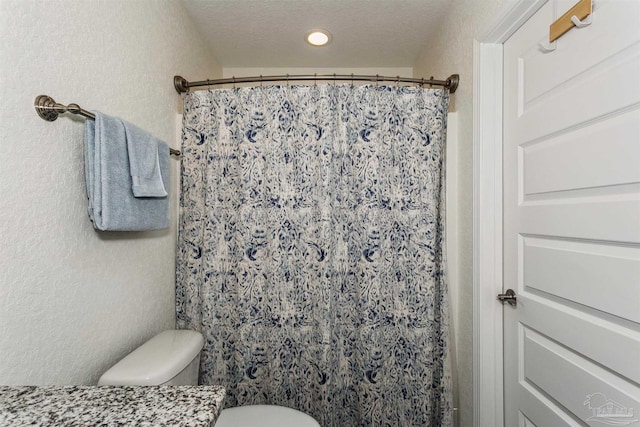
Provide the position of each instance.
(46, 108)
(49, 110)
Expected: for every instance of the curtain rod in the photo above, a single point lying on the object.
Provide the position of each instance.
(48, 109)
(182, 85)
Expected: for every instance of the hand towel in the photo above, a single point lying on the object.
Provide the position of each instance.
(112, 204)
(145, 151)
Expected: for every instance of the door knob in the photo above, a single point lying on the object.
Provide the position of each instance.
(509, 296)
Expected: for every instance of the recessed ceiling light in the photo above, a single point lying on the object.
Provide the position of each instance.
(318, 37)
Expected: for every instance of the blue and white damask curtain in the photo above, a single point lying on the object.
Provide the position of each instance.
(311, 250)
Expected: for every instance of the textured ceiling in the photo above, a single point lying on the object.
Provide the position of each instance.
(270, 33)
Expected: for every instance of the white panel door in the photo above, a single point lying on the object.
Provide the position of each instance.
(572, 220)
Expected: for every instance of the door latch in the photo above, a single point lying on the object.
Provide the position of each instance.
(509, 296)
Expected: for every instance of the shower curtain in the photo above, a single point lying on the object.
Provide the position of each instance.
(311, 250)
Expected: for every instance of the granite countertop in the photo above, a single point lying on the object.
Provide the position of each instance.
(189, 406)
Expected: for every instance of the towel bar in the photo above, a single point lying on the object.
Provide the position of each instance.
(48, 109)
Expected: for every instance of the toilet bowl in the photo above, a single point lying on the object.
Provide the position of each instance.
(264, 416)
(173, 358)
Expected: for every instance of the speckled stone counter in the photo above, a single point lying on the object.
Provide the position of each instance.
(188, 406)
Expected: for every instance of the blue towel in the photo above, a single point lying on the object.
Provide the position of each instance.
(112, 204)
(144, 161)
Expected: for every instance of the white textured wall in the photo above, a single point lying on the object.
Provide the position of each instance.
(72, 300)
(451, 51)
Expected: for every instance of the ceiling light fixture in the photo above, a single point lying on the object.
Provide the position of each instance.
(318, 37)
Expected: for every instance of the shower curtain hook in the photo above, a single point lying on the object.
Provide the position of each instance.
(377, 79)
(351, 79)
(430, 85)
(287, 79)
(315, 79)
(234, 81)
(208, 84)
(397, 81)
(260, 80)
(334, 79)
(422, 82)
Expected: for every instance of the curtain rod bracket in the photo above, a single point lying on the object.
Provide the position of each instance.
(181, 84)
(452, 82)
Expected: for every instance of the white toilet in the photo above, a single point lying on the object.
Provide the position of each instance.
(173, 358)
(264, 416)
(170, 358)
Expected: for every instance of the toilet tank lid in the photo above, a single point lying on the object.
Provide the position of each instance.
(157, 361)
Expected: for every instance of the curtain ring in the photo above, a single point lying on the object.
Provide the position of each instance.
(234, 82)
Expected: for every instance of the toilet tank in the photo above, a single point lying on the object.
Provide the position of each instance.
(170, 358)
